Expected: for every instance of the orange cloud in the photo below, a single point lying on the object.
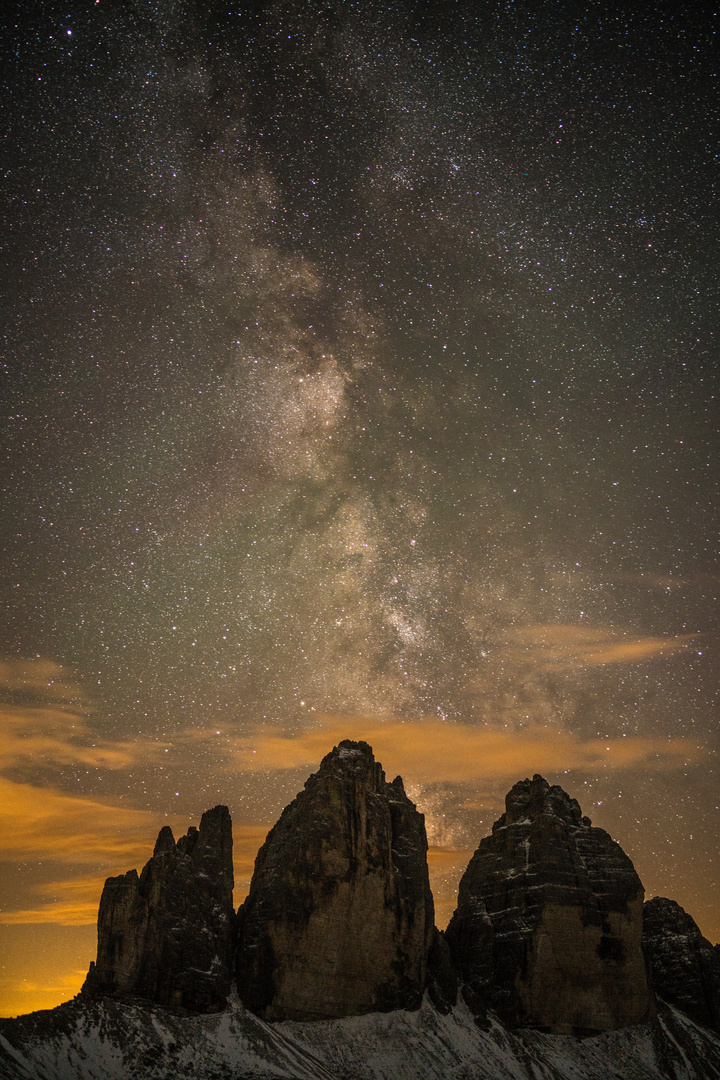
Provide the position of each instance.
(247, 841)
(39, 677)
(447, 859)
(46, 720)
(27, 995)
(433, 750)
(74, 903)
(32, 734)
(43, 823)
(567, 646)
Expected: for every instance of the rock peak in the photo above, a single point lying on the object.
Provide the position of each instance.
(354, 762)
(350, 747)
(684, 966)
(167, 936)
(529, 800)
(351, 756)
(549, 919)
(165, 841)
(339, 919)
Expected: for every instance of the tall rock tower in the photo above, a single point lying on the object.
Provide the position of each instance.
(167, 936)
(548, 927)
(339, 919)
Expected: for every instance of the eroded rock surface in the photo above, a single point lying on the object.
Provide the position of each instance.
(167, 935)
(684, 966)
(548, 927)
(339, 919)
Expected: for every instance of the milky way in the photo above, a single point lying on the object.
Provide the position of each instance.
(360, 377)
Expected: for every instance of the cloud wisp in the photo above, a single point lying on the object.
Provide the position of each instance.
(433, 750)
(554, 646)
(45, 718)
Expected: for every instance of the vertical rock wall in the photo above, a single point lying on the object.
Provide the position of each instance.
(167, 935)
(547, 931)
(339, 919)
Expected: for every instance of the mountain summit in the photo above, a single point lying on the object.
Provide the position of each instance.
(168, 935)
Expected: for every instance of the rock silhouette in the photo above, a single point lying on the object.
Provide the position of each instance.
(684, 966)
(167, 935)
(339, 920)
(547, 931)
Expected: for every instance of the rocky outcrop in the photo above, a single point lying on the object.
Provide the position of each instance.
(339, 918)
(167, 936)
(684, 966)
(547, 931)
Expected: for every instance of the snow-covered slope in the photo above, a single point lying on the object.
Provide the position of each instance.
(106, 1040)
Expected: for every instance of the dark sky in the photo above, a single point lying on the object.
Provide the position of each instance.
(359, 380)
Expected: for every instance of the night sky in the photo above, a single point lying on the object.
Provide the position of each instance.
(359, 380)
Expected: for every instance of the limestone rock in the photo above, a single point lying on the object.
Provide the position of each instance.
(339, 920)
(684, 966)
(167, 935)
(547, 931)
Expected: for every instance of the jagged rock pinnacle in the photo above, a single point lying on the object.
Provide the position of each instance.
(684, 966)
(167, 936)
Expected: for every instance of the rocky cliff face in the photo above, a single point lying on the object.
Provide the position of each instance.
(339, 919)
(684, 966)
(547, 931)
(167, 935)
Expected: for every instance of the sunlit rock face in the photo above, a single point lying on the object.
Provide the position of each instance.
(548, 927)
(684, 966)
(167, 936)
(339, 919)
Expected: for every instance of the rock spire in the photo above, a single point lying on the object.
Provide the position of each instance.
(547, 931)
(167, 936)
(339, 919)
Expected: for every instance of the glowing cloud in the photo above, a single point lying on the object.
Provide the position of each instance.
(433, 750)
(47, 720)
(29, 735)
(29, 994)
(247, 840)
(566, 646)
(38, 822)
(41, 677)
(446, 866)
(74, 902)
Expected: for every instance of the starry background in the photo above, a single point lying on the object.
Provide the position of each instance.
(359, 380)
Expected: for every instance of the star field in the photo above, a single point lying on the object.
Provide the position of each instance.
(359, 380)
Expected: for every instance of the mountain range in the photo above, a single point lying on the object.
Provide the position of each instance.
(552, 965)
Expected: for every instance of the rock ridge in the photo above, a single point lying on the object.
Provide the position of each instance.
(684, 966)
